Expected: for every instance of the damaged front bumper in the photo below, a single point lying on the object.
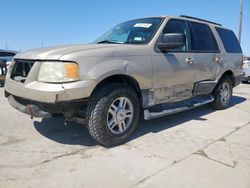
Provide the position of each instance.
(42, 99)
(46, 110)
(48, 92)
(29, 109)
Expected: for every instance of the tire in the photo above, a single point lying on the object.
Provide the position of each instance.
(104, 108)
(222, 98)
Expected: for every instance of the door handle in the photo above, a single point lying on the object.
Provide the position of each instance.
(219, 60)
(189, 60)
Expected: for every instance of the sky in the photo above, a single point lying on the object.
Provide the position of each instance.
(27, 24)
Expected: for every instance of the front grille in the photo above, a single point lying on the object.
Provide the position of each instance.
(21, 70)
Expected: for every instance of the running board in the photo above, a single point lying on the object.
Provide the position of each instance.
(172, 108)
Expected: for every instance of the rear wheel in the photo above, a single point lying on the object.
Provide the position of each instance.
(113, 114)
(223, 93)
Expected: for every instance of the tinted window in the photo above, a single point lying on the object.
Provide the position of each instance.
(229, 41)
(177, 26)
(7, 54)
(202, 38)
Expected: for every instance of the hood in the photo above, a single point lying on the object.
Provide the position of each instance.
(55, 53)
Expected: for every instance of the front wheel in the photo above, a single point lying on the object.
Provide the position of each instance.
(223, 93)
(113, 114)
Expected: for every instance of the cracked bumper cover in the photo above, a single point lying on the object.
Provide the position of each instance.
(46, 110)
(28, 109)
(50, 93)
(44, 99)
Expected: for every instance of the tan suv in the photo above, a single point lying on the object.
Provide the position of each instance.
(156, 65)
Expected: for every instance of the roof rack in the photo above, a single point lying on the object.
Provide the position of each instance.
(190, 17)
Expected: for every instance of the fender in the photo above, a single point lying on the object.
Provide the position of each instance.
(124, 66)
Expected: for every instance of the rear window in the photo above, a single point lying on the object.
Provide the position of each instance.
(202, 38)
(229, 41)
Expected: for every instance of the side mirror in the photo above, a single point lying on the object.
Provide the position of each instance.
(172, 41)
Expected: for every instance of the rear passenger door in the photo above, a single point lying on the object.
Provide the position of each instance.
(205, 51)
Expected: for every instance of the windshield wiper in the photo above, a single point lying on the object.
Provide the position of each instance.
(109, 42)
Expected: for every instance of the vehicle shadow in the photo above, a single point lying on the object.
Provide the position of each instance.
(246, 83)
(72, 133)
(167, 122)
(64, 132)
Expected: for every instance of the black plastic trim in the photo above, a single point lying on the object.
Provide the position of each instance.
(204, 87)
(238, 80)
(69, 107)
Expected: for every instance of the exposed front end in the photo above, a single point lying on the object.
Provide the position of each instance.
(41, 88)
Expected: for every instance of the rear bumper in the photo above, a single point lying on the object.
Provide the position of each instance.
(46, 110)
(238, 80)
(246, 76)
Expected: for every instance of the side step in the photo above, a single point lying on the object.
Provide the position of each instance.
(172, 108)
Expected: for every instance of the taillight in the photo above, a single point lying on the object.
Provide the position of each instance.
(242, 63)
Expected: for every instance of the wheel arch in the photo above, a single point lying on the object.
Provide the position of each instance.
(230, 74)
(121, 78)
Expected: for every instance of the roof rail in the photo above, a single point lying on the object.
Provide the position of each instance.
(190, 17)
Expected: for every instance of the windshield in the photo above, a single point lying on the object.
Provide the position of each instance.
(139, 31)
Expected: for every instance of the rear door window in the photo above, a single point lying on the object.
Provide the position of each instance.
(202, 38)
(229, 40)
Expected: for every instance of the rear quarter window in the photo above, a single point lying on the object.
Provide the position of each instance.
(229, 40)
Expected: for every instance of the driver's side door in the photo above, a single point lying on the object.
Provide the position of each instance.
(173, 69)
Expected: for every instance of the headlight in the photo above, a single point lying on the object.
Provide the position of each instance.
(57, 72)
(9, 67)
